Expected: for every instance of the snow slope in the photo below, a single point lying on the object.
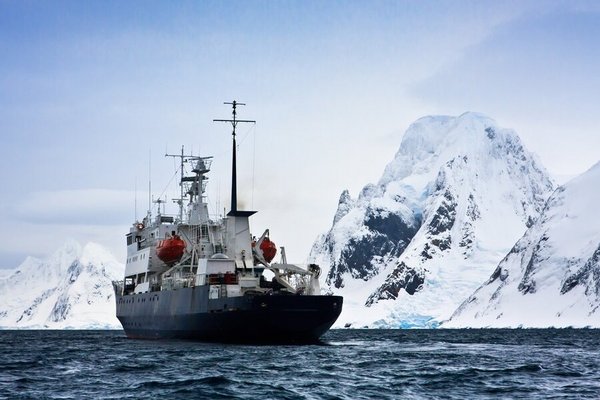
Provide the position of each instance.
(551, 277)
(458, 194)
(70, 289)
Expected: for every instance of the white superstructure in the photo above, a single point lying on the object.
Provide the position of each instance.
(212, 251)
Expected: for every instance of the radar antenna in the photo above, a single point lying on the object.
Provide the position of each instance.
(201, 165)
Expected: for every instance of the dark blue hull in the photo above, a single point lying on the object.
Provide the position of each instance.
(188, 313)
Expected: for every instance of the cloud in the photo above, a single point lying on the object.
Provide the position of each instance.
(543, 64)
(536, 74)
(78, 207)
(40, 240)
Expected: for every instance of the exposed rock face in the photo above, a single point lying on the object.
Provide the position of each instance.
(551, 277)
(459, 192)
(386, 236)
(401, 277)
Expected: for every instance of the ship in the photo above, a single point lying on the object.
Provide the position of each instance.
(196, 276)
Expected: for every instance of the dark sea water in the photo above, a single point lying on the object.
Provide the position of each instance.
(348, 364)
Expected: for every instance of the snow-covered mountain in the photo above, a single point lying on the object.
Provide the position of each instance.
(458, 194)
(70, 289)
(551, 277)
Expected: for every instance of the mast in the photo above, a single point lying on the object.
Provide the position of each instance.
(179, 201)
(181, 187)
(200, 166)
(234, 123)
(149, 216)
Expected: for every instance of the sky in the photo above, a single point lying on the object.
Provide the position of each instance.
(93, 94)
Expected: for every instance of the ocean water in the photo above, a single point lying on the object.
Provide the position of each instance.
(348, 364)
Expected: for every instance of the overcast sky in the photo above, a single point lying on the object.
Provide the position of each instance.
(91, 90)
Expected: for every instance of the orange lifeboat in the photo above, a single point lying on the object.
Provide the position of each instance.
(269, 249)
(170, 250)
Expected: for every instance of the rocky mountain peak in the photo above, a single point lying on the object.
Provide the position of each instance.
(458, 193)
(344, 205)
(553, 271)
(70, 289)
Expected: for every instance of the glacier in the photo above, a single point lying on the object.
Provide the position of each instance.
(71, 289)
(551, 277)
(409, 249)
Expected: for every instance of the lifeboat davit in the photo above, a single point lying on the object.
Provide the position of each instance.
(170, 250)
(269, 249)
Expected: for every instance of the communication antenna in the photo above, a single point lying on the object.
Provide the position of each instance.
(158, 202)
(253, 163)
(180, 200)
(135, 198)
(149, 184)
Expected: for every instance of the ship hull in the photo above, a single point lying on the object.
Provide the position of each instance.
(188, 313)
